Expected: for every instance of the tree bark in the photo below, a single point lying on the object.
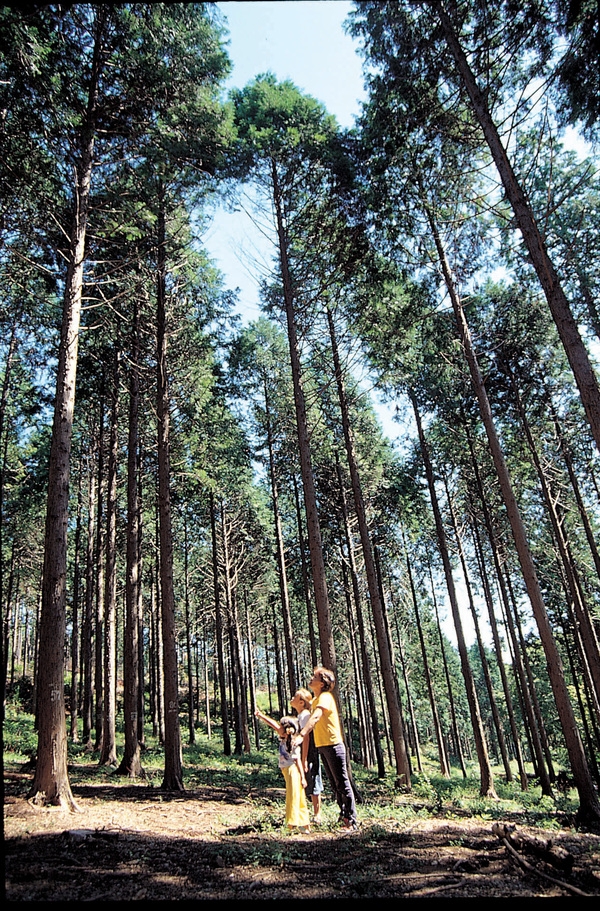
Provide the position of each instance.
(483, 657)
(443, 759)
(51, 781)
(173, 773)
(131, 764)
(518, 664)
(87, 711)
(366, 664)
(108, 754)
(500, 660)
(281, 567)
(455, 732)
(75, 624)
(219, 632)
(188, 641)
(573, 592)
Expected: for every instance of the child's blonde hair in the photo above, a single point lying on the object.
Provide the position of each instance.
(306, 697)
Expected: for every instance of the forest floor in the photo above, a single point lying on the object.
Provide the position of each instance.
(133, 842)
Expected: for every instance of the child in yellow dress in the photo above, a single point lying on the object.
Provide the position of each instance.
(290, 763)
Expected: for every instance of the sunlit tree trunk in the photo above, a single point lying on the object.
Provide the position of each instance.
(51, 781)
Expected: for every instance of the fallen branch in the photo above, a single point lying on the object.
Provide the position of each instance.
(540, 847)
(546, 850)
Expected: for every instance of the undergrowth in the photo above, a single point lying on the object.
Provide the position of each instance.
(255, 778)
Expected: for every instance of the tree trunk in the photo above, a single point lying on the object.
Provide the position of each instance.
(455, 732)
(131, 764)
(51, 781)
(383, 643)
(367, 750)
(483, 657)
(443, 759)
(487, 784)
(366, 664)
(99, 558)
(12, 344)
(173, 775)
(589, 809)
(305, 585)
(498, 650)
(585, 626)
(75, 677)
(219, 632)
(188, 642)
(283, 585)
(108, 754)
(585, 519)
(242, 741)
(87, 637)
(576, 352)
(310, 498)
(517, 652)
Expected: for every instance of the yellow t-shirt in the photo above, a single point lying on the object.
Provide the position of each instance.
(327, 730)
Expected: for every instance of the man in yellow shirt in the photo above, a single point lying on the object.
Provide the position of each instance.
(324, 721)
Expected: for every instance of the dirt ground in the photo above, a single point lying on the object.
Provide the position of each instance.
(134, 843)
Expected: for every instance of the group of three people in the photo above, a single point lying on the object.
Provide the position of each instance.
(317, 715)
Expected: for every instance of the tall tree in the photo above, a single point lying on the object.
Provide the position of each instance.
(385, 654)
(404, 40)
(589, 807)
(282, 135)
(485, 768)
(51, 784)
(131, 76)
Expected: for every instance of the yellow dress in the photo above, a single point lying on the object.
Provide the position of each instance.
(296, 811)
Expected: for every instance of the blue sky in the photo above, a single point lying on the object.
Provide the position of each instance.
(300, 40)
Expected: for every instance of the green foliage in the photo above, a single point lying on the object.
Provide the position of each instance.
(256, 781)
(20, 739)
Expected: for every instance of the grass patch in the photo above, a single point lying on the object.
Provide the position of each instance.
(255, 778)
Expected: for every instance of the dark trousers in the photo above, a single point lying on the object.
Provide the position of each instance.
(334, 760)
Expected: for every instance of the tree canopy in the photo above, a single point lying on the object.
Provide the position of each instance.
(222, 509)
